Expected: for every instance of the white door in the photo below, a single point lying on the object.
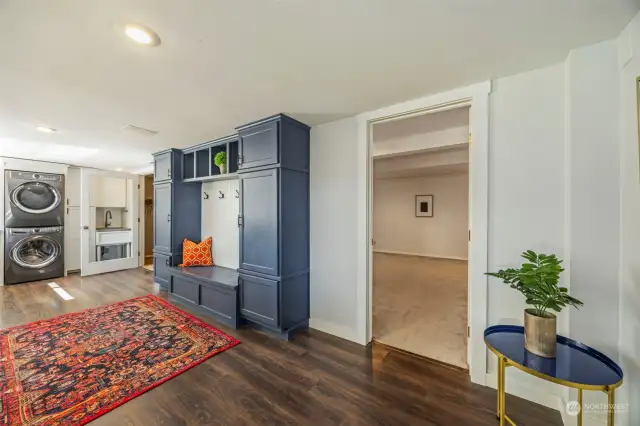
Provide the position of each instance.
(109, 239)
(72, 187)
(72, 233)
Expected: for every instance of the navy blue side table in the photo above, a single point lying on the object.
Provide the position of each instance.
(575, 365)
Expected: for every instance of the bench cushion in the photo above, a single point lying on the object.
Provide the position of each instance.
(216, 274)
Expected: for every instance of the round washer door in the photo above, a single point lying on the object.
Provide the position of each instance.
(35, 252)
(35, 197)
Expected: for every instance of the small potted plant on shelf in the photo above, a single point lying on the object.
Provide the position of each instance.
(220, 160)
(537, 280)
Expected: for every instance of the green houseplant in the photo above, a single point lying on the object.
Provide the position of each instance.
(537, 279)
(220, 160)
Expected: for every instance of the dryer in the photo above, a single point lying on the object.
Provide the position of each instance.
(33, 199)
(33, 254)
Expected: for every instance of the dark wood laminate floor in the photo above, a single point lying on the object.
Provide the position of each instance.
(315, 380)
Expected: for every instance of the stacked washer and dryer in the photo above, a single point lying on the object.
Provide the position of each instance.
(34, 226)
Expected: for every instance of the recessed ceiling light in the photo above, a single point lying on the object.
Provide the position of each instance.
(141, 34)
(118, 169)
(45, 129)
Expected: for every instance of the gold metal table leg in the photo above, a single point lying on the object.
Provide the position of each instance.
(611, 400)
(580, 405)
(498, 410)
(501, 392)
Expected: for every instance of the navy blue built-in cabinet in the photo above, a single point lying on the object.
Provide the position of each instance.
(176, 213)
(270, 157)
(274, 223)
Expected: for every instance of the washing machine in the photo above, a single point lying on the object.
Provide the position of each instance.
(33, 254)
(33, 199)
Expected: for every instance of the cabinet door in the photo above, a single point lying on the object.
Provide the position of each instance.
(258, 146)
(258, 222)
(161, 265)
(112, 192)
(162, 217)
(259, 300)
(72, 239)
(162, 167)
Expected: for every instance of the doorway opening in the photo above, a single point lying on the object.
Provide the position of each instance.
(148, 223)
(420, 224)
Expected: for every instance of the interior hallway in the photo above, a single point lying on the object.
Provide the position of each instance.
(420, 306)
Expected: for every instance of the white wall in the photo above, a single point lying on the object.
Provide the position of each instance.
(220, 221)
(594, 215)
(396, 229)
(334, 218)
(629, 277)
(526, 174)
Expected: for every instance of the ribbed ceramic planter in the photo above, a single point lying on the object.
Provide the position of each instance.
(223, 169)
(540, 334)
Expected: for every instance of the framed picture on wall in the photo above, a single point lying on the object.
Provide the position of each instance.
(424, 205)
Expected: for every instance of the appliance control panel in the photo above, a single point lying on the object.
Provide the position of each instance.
(36, 176)
(46, 230)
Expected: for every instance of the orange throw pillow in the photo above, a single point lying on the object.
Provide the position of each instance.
(197, 254)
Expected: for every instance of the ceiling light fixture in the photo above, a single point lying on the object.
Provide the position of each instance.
(45, 129)
(141, 34)
(118, 169)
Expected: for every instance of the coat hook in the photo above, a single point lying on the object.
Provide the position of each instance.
(237, 194)
(221, 195)
(206, 196)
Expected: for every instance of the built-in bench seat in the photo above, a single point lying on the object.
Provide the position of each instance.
(212, 289)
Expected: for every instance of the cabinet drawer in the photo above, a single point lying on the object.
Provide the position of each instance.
(259, 300)
(259, 145)
(184, 288)
(161, 265)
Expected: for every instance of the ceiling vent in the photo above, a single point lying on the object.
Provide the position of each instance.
(139, 130)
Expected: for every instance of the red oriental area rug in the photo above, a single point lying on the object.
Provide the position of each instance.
(73, 368)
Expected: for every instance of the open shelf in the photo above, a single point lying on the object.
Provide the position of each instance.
(232, 156)
(226, 176)
(189, 166)
(202, 163)
(215, 170)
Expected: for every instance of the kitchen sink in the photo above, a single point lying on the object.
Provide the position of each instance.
(112, 229)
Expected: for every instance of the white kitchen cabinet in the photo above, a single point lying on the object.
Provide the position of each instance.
(72, 186)
(107, 191)
(72, 232)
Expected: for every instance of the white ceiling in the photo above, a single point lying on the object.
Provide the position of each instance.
(222, 63)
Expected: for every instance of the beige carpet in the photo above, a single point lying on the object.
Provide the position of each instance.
(420, 306)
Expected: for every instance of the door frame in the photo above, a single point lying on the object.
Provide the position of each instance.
(476, 97)
(109, 265)
(142, 228)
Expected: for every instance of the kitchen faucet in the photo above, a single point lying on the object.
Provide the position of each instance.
(107, 216)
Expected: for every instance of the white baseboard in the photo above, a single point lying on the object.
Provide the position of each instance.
(334, 329)
(434, 256)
